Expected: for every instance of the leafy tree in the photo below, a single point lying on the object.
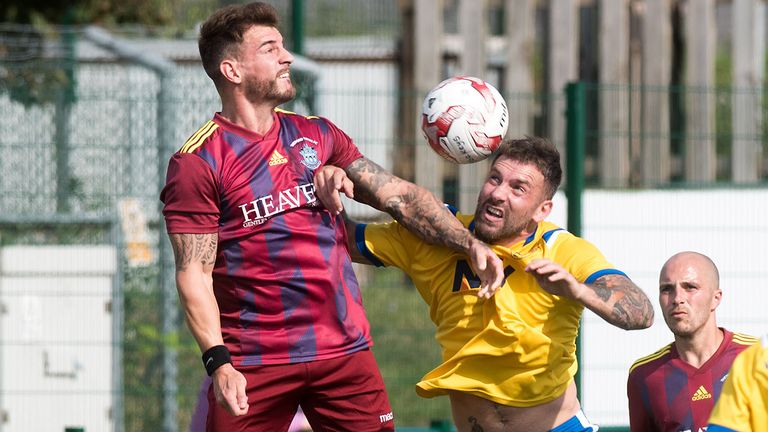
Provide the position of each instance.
(148, 12)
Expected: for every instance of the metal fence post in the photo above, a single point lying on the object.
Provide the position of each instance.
(297, 26)
(575, 114)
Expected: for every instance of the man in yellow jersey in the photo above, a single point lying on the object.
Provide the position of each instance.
(743, 403)
(675, 388)
(509, 361)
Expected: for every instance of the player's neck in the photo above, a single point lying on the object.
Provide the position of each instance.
(699, 347)
(521, 236)
(254, 117)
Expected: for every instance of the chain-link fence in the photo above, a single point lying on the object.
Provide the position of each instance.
(88, 322)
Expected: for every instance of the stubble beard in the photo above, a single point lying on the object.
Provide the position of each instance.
(682, 329)
(267, 90)
(511, 228)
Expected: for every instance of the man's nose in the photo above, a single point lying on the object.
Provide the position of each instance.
(498, 193)
(287, 57)
(678, 295)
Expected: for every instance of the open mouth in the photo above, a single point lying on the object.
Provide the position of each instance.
(493, 213)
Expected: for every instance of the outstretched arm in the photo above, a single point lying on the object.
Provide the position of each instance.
(613, 297)
(195, 256)
(412, 206)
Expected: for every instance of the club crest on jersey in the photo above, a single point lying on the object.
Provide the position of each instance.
(310, 157)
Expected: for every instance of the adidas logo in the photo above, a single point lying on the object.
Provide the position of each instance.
(277, 159)
(701, 393)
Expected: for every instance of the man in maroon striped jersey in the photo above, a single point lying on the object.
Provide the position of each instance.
(262, 268)
(675, 388)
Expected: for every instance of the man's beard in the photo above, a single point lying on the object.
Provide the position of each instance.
(497, 236)
(267, 90)
(511, 228)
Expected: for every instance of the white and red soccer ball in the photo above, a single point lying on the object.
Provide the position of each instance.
(464, 119)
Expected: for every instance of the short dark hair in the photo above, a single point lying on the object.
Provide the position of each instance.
(538, 151)
(222, 33)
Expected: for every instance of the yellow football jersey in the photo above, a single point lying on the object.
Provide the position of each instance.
(743, 402)
(517, 348)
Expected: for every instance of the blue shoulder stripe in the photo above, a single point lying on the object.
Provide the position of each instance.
(594, 276)
(531, 237)
(718, 428)
(360, 242)
(549, 233)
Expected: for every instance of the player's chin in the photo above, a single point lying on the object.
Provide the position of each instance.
(485, 233)
(680, 330)
(286, 95)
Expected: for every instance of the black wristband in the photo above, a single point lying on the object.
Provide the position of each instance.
(215, 357)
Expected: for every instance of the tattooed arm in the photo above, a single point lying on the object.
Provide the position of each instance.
(412, 206)
(614, 297)
(195, 256)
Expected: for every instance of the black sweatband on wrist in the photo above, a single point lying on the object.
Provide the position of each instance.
(215, 357)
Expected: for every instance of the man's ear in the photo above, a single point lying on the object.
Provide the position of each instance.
(230, 69)
(545, 208)
(716, 299)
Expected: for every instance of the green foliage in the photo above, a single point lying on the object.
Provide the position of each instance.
(149, 12)
(30, 77)
(143, 347)
(405, 345)
(142, 351)
(723, 104)
(34, 83)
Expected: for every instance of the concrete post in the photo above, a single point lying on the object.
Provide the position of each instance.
(614, 94)
(473, 29)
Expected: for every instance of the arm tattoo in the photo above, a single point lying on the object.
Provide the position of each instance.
(412, 206)
(188, 248)
(631, 308)
(372, 178)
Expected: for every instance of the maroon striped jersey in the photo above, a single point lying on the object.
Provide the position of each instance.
(666, 394)
(283, 278)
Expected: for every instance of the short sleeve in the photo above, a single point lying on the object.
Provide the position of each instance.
(190, 197)
(733, 407)
(580, 257)
(387, 244)
(343, 151)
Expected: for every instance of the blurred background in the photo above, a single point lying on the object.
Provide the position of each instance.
(659, 108)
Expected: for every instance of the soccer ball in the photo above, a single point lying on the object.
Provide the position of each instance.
(464, 119)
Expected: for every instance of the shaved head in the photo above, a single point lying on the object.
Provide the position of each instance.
(689, 293)
(705, 266)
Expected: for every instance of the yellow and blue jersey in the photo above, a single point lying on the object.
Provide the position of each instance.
(743, 402)
(517, 348)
